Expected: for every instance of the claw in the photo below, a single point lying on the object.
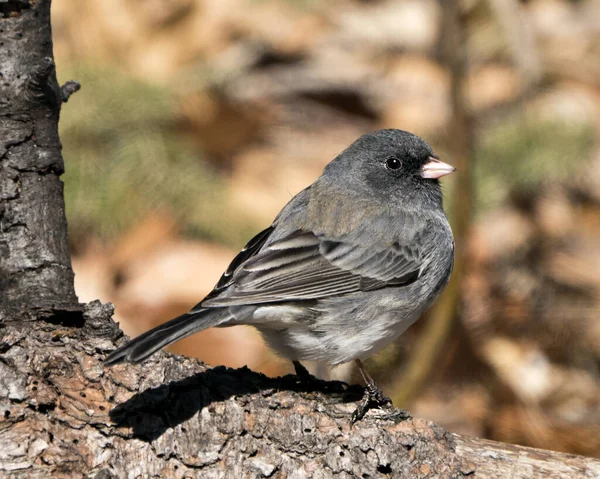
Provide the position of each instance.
(373, 397)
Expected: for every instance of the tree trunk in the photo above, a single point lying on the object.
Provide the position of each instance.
(35, 266)
(63, 414)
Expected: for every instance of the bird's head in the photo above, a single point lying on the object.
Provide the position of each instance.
(391, 165)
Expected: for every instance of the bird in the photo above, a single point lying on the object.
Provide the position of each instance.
(345, 268)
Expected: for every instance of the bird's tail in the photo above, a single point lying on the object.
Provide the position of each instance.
(145, 345)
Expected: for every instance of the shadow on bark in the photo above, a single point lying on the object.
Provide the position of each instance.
(151, 412)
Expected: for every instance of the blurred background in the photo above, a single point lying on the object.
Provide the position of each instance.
(199, 119)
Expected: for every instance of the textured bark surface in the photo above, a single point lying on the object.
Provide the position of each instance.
(35, 267)
(63, 414)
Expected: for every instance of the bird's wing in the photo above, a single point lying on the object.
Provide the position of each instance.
(304, 266)
(247, 252)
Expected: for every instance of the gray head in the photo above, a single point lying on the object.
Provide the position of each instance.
(391, 165)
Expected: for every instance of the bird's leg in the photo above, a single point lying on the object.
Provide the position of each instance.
(302, 372)
(372, 397)
(306, 380)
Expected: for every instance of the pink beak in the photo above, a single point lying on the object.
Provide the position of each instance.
(435, 169)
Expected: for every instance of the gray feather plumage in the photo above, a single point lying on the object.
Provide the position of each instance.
(344, 269)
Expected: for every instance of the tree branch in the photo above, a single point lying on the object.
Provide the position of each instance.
(65, 414)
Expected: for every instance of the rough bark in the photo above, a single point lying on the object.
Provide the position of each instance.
(35, 266)
(63, 414)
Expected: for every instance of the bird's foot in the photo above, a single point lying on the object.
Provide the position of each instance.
(373, 398)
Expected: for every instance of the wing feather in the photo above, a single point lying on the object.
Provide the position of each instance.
(304, 266)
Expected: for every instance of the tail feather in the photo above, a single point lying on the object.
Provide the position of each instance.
(145, 345)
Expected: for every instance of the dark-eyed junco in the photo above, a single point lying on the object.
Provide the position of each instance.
(346, 267)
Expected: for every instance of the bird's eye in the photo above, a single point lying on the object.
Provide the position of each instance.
(393, 163)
